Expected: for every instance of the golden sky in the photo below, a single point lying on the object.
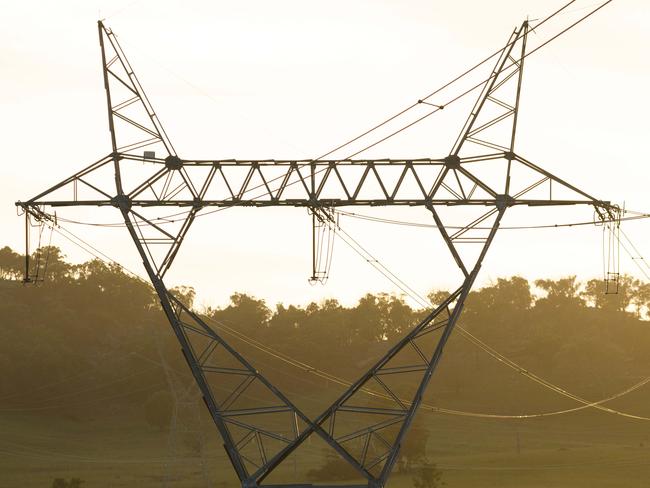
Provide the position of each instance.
(292, 79)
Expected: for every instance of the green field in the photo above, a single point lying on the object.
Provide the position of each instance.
(118, 449)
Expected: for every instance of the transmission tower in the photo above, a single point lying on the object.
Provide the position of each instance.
(260, 426)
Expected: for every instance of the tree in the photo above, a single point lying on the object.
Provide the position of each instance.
(399, 318)
(186, 294)
(51, 264)
(512, 294)
(428, 476)
(436, 297)
(562, 292)
(369, 318)
(641, 300)
(11, 264)
(613, 302)
(246, 313)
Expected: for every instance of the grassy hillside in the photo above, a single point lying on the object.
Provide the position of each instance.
(84, 393)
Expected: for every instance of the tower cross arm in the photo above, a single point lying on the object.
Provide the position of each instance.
(174, 182)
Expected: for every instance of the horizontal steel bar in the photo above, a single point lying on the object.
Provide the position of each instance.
(288, 162)
(371, 410)
(214, 369)
(403, 369)
(254, 411)
(316, 202)
(309, 485)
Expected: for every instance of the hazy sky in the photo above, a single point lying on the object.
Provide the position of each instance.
(292, 79)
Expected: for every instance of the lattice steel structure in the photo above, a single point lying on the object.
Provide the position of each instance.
(482, 171)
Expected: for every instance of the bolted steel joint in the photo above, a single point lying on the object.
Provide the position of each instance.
(173, 162)
(123, 202)
(249, 483)
(503, 201)
(452, 161)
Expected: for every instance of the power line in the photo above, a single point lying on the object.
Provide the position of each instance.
(514, 227)
(441, 88)
(424, 302)
(438, 107)
(430, 113)
(492, 352)
(639, 258)
(312, 370)
(473, 339)
(356, 215)
(463, 94)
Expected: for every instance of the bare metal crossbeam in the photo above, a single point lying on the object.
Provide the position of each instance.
(320, 183)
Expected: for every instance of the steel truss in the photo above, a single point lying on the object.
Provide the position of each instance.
(481, 170)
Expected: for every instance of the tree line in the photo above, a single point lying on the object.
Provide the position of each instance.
(91, 324)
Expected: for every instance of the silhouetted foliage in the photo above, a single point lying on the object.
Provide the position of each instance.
(427, 476)
(61, 334)
(11, 264)
(62, 483)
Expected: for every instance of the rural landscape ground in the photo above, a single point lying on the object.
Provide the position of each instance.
(116, 448)
(85, 395)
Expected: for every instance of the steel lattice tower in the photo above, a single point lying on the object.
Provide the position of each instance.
(482, 171)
